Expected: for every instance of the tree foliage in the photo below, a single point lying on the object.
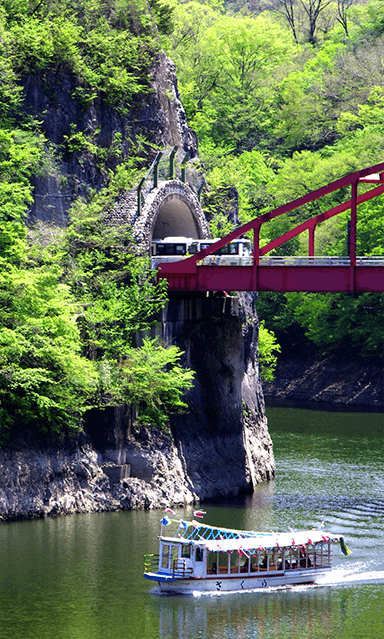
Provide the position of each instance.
(152, 379)
(284, 101)
(268, 349)
(73, 301)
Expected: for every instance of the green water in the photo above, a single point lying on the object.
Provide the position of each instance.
(80, 577)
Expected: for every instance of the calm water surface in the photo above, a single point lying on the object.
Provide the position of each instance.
(80, 577)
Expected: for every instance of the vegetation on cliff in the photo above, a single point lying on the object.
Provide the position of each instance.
(74, 300)
(285, 97)
(283, 100)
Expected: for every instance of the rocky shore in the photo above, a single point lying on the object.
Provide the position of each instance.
(218, 448)
(338, 378)
(76, 478)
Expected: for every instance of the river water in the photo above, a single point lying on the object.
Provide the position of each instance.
(80, 577)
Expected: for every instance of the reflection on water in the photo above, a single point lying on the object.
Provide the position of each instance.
(300, 612)
(80, 577)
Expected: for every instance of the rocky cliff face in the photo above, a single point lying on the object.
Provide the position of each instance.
(71, 172)
(61, 480)
(218, 448)
(223, 439)
(221, 445)
(337, 378)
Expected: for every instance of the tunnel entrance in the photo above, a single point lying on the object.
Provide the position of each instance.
(175, 218)
(170, 210)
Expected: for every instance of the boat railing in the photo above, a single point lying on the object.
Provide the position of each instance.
(151, 561)
(180, 569)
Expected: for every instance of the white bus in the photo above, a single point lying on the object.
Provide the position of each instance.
(172, 249)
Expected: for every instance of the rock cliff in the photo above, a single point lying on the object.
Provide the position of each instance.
(221, 445)
(337, 378)
(71, 172)
(223, 439)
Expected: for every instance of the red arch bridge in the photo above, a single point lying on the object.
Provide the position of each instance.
(309, 273)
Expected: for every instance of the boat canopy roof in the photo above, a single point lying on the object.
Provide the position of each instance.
(261, 541)
(226, 540)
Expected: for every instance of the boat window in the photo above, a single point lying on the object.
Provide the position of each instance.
(165, 556)
(255, 562)
(276, 560)
(291, 558)
(222, 563)
(174, 556)
(305, 560)
(212, 564)
(199, 554)
(263, 561)
(235, 561)
(186, 552)
(321, 555)
(244, 564)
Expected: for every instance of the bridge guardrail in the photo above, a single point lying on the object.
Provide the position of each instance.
(280, 260)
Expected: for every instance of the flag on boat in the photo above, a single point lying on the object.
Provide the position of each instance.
(344, 548)
(165, 521)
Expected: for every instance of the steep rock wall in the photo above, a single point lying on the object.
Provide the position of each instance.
(221, 446)
(338, 378)
(223, 440)
(61, 480)
(68, 174)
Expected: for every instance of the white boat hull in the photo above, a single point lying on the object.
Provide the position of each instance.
(224, 583)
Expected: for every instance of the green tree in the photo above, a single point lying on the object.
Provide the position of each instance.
(268, 349)
(44, 382)
(151, 378)
(227, 64)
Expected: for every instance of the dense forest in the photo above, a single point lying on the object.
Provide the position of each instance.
(284, 97)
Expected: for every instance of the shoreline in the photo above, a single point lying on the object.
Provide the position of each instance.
(328, 407)
(336, 381)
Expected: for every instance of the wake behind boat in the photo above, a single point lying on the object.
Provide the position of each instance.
(199, 557)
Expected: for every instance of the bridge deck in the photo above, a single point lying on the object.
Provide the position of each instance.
(203, 271)
(333, 279)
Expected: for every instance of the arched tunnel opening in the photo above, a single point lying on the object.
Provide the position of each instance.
(175, 218)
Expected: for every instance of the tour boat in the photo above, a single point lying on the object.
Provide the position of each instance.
(199, 557)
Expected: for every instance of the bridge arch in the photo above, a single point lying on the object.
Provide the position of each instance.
(171, 209)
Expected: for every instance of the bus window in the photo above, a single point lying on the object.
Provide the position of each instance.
(194, 248)
(171, 249)
(230, 249)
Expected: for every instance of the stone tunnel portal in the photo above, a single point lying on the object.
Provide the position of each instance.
(171, 210)
(175, 218)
